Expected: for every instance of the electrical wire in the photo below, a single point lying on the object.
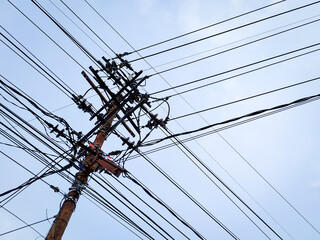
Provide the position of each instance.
(148, 205)
(239, 46)
(203, 28)
(16, 216)
(226, 229)
(252, 114)
(79, 27)
(226, 31)
(217, 130)
(71, 90)
(67, 33)
(231, 43)
(89, 28)
(246, 98)
(239, 68)
(28, 225)
(51, 39)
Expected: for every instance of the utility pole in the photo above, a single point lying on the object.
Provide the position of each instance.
(91, 163)
(126, 101)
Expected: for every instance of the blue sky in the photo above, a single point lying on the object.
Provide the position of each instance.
(282, 147)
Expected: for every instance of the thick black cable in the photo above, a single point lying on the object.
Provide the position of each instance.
(227, 31)
(23, 14)
(203, 28)
(246, 98)
(88, 27)
(241, 67)
(236, 47)
(217, 130)
(34, 179)
(252, 114)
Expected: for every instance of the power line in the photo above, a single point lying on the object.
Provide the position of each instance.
(241, 67)
(217, 130)
(89, 28)
(231, 43)
(252, 114)
(153, 209)
(236, 47)
(28, 225)
(79, 27)
(203, 28)
(23, 14)
(226, 229)
(246, 98)
(226, 31)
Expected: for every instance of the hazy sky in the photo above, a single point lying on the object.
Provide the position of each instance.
(260, 161)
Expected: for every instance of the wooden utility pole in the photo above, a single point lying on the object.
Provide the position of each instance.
(90, 164)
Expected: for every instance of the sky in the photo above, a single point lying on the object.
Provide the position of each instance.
(271, 163)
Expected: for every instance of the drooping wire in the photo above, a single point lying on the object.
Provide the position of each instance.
(226, 31)
(217, 130)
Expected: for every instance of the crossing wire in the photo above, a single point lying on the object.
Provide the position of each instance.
(226, 31)
(153, 209)
(164, 79)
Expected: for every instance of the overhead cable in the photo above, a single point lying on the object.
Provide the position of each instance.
(241, 67)
(252, 114)
(236, 47)
(246, 98)
(227, 31)
(203, 28)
